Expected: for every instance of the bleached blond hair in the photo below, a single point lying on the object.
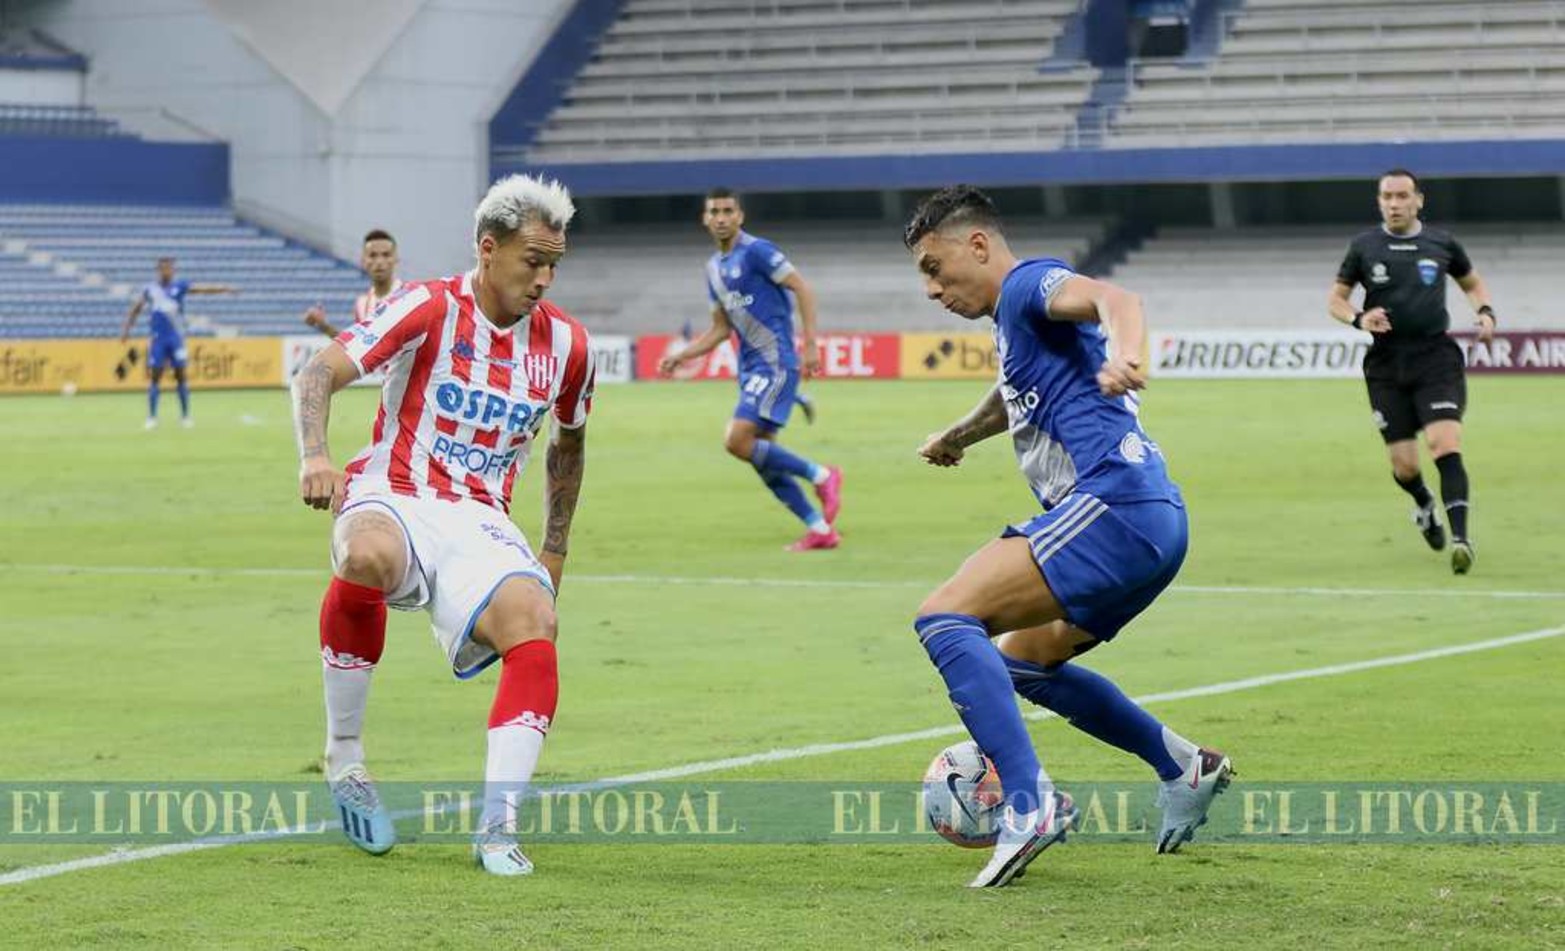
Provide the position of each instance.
(516, 200)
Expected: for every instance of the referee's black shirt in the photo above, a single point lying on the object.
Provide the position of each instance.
(1405, 274)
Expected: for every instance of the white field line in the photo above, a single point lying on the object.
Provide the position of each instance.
(1455, 591)
(123, 856)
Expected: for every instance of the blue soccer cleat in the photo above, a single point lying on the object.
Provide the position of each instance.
(365, 820)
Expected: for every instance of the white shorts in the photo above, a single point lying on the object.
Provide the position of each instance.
(458, 554)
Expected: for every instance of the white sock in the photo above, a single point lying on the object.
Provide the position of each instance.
(820, 475)
(347, 694)
(819, 526)
(513, 756)
(1181, 749)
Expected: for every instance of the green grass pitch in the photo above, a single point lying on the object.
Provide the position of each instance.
(672, 653)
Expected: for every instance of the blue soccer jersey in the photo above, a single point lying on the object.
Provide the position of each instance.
(1067, 434)
(166, 304)
(746, 283)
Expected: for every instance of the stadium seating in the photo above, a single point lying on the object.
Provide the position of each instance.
(72, 270)
(1278, 278)
(1305, 71)
(651, 280)
(684, 78)
(38, 120)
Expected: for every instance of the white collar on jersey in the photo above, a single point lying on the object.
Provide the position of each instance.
(1411, 234)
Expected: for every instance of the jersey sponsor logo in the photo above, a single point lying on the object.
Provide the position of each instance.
(485, 409)
(1378, 275)
(733, 300)
(482, 461)
(1401, 247)
(1133, 448)
(1428, 271)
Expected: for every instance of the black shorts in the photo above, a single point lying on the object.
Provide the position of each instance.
(1412, 384)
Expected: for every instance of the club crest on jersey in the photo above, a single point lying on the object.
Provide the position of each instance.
(540, 369)
(1428, 270)
(463, 348)
(485, 409)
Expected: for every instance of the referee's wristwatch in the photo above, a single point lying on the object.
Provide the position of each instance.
(1358, 321)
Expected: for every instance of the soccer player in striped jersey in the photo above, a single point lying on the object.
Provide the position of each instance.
(378, 258)
(748, 281)
(477, 365)
(1110, 538)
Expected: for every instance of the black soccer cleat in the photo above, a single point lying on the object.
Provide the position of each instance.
(1428, 522)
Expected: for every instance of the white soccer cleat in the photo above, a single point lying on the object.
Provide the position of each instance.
(498, 854)
(186, 422)
(1023, 837)
(1462, 556)
(365, 820)
(1185, 801)
(151, 423)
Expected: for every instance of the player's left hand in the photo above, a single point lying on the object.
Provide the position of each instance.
(1485, 325)
(554, 564)
(1121, 374)
(812, 360)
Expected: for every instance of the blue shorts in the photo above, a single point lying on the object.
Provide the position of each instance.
(166, 351)
(1106, 562)
(766, 396)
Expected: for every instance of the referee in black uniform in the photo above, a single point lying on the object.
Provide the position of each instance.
(1415, 373)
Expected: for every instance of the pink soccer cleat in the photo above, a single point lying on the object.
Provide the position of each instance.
(816, 541)
(830, 494)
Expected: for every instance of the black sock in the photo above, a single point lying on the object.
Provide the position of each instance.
(1416, 489)
(1453, 491)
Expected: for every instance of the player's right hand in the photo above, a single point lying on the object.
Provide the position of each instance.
(941, 450)
(668, 365)
(315, 316)
(320, 484)
(1375, 320)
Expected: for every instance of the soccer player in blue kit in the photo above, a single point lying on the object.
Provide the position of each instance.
(165, 297)
(748, 281)
(1111, 536)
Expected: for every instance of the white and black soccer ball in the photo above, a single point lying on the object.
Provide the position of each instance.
(962, 796)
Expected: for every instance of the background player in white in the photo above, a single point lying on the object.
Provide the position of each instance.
(378, 258)
(475, 367)
(165, 298)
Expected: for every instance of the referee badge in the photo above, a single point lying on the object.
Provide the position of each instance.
(1428, 270)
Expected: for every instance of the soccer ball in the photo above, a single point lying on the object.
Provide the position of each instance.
(962, 796)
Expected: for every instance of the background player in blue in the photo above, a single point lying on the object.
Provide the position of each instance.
(165, 298)
(1111, 536)
(748, 281)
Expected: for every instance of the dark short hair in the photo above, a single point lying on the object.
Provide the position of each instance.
(379, 234)
(1400, 173)
(722, 192)
(167, 258)
(952, 205)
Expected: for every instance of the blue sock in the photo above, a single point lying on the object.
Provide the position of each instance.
(980, 689)
(184, 398)
(152, 401)
(1096, 707)
(767, 456)
(787, 490)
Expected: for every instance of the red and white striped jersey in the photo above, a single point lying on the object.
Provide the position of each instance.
(463, 399)
(364, 305)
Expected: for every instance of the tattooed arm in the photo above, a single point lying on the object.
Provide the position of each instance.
(565, 464)
(987, 419)
(320, 483)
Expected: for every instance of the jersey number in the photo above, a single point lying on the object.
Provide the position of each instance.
(756, 385)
